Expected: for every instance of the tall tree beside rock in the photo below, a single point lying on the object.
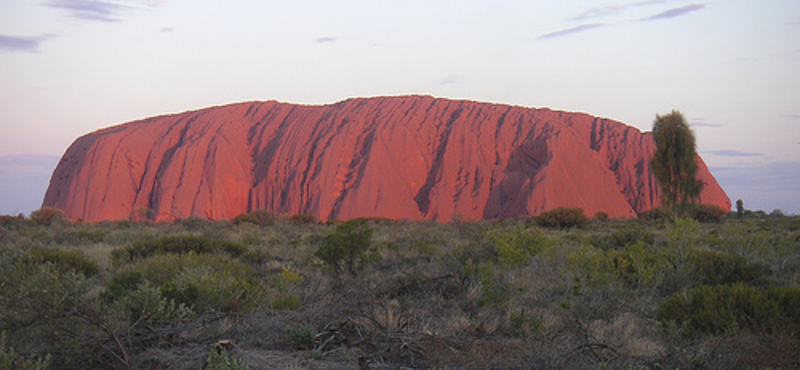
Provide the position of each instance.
(674, 163)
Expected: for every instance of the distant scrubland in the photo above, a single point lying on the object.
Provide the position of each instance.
(558, 291)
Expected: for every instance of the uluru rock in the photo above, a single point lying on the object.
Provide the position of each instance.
(412, 157)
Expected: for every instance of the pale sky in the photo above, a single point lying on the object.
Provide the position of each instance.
(69, 67)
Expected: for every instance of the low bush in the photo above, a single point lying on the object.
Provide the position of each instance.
(656, 214)
(12, 222)
(349, 248)
(66, 261)
(202, 281)
(177, 244)
(260, 217)
(514, 247)
(715, 268)
(562, 218)
(11, 360)
(79, 236)
(41, 307)
(301, 337)
(48, 215)
(121, 285)
(721, 308)
(302, 218)
(147, 303)
(706, 213)
(220, 359)
(622, 238)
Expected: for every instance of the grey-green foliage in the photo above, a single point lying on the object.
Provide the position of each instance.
(674, 162)
(43, 309)
(514, 247)
(11, 360)
(348, 248)
(221, 359)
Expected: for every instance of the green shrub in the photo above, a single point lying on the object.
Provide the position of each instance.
(601, 216)
(715, 268)
(48, 215)
(13, 222)
(11, 360)
(40, 306)
(706, 213)
(177, 244)
(639, 266)
(717, 309)
(302, 218)
(121, 285)
(187, 293)
(622, 238)
(591, 264)
(79, 236)
(201, 281)
(656, 214)
(147, 303)
(160, 269)
(285, 301)
(524, 325)
(349, 248)
(66, 261)
(301, 337)
(514, 247)
(220, 290)
(220, 359)
(260, 217)
(193, 223)
(563, 218)
(256, 257)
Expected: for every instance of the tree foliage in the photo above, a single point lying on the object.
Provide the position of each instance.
(674, 162)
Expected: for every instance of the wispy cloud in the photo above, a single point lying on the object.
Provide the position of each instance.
(90, 10)
(569, 31)
(167, 30)
(451, 79)
(677, 12)
(701, 122)
(101, 10)
(27, 164)
(610, 10)
(733, 153)
(15, 43)
(325, 40)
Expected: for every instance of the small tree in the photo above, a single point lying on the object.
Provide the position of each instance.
(674, 162)
(348, 248)
(739, 208)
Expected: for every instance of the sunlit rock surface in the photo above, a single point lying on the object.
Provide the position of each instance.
(412, 157)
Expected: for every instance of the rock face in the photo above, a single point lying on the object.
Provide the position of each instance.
(413, 157)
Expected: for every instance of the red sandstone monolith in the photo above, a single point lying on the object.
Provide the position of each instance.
(412, 157)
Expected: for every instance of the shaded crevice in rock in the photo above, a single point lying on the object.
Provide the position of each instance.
(510, 197)
(423, 196)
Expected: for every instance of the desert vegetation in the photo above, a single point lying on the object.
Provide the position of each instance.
(559, 291)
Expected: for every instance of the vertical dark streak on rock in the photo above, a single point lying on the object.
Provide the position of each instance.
(357, 165)
(152, 203)
(312, 155)
(423, 196)
(262, 161)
